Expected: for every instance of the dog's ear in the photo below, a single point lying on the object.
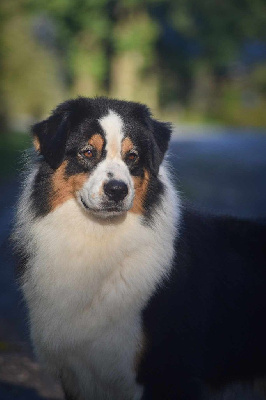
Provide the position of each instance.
(50, 137)
(160, 137)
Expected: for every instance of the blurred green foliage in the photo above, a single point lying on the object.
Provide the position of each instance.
(182, 57)
(11, 149)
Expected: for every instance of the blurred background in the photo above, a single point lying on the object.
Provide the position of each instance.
(188, 60)
(199, 64)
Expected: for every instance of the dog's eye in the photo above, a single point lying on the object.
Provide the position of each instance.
(88, 153)
(132, 156)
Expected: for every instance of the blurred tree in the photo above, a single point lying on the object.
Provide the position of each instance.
(203, 39)
(32, 92)
(3, 106)
(30, 79)
(162, 52)
(83, 32)
(110, 45)
(134, 72)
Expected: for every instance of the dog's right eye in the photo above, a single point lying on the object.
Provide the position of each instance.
(88, 153)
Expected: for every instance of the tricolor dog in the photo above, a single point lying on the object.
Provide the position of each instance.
(130, 295)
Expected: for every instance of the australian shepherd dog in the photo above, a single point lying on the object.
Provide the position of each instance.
(130, 294)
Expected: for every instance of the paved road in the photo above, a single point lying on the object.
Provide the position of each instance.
(222, 173)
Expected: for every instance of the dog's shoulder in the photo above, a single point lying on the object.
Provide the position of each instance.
(204, 323)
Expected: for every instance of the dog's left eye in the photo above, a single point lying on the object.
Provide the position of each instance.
(132, 156)
(88, 153)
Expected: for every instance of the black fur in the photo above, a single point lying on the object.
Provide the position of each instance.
(42, 191)
(73, 122)
(205, 327)
(52, 134)
(68, 117)
(70, 391)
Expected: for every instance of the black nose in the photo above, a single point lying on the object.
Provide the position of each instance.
(115, 190)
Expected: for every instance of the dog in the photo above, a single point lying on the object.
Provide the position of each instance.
(131, 295)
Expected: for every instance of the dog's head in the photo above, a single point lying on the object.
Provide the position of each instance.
(105, 153)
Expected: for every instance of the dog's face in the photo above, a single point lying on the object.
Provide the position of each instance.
(104, 153)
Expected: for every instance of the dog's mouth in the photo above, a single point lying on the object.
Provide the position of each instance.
(105, 211)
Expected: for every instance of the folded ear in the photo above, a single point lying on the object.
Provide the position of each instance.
(159, 135)
(50, 138)
(159, 141)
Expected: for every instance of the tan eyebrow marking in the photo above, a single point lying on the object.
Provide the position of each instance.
(97, 142)
(127, 145)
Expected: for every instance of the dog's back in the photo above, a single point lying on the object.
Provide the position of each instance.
(213, 332)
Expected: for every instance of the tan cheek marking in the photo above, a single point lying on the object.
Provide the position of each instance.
(64, 188)
(127, 145)
(36, 144)
(97, 142)
(140, 185)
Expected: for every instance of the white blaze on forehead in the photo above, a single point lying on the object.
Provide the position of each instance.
(112, 125)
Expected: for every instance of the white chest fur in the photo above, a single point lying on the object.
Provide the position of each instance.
(85, 287)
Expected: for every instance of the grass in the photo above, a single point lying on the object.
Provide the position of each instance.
(11, 147)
